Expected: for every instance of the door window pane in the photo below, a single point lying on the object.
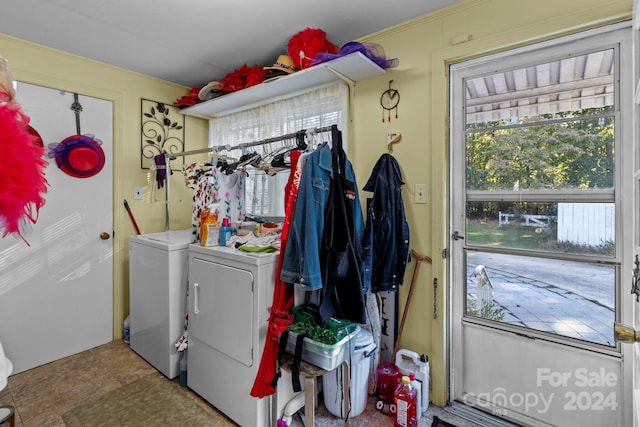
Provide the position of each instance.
(565, 228)
(540, 200)
(572, 86)
(572, 154)
(567, 298)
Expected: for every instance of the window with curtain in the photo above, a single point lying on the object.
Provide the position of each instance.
(264, 193)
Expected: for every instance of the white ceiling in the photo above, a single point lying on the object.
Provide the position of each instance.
(192, 42)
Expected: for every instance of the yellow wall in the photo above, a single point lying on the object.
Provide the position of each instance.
(424, 47)
(47, 67)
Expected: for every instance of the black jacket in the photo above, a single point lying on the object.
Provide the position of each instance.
(386, 235)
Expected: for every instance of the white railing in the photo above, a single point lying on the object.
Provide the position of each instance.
(529, 220)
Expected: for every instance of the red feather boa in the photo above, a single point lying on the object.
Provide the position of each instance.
(303, 46)
(22, 175)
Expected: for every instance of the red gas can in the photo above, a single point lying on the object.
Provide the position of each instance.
(387, 381)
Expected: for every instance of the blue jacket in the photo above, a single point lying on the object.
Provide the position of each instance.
(301, 262)
(386, 236)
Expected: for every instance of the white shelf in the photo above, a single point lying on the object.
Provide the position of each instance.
(353, 67)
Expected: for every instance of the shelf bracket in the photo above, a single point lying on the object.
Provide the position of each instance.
(352, 87)
(342, 76)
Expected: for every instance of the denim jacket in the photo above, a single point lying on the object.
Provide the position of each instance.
(386, 236)
(301, 262)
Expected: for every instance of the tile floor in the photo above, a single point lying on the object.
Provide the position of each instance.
(41, 395)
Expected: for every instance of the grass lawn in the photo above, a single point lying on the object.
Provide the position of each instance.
(488, 233)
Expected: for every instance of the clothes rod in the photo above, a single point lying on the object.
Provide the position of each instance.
(215, 149)
(209, 150)
(268, 140)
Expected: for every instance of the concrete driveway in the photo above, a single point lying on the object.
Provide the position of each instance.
(562, 297)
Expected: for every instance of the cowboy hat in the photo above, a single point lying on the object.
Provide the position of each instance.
(210, 91)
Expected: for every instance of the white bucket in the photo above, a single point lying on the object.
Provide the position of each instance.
(361, 348)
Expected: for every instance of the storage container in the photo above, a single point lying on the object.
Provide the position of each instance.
(325, 356)
(359, 357)
(409, 361)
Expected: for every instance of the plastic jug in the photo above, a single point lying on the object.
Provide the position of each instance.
(183, 368)
(417, 385)
(409, 361)
(225, 232)
(127, 330)
(406, 399)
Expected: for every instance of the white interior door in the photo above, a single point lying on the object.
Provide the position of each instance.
(56, 295)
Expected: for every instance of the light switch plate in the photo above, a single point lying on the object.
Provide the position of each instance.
(420, 193)
(137, 193)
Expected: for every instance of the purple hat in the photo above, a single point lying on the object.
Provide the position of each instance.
(373, 51)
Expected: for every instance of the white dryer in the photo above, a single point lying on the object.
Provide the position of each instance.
(158, 271)
(230, 294)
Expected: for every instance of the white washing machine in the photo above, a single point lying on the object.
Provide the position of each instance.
(158, 274)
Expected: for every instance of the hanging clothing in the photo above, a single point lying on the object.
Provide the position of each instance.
(315, 257)
(213, 187)
(161, 169)
(280, 316)
(386, 236)
(341, 253)
(301, 263)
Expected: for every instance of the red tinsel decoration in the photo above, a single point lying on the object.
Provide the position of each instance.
(242, 78)
(190, 99)
(308, 42)
(22, 176)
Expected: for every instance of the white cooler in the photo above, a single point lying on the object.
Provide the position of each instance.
(360, 348)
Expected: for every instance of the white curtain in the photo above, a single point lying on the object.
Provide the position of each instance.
(312, 110)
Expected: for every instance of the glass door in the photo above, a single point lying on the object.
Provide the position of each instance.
(541, 144)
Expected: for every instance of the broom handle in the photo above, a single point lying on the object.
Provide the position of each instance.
(133, 220)
(419, 258)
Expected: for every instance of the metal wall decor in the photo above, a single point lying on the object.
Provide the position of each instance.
(389, 100)
(162, 131)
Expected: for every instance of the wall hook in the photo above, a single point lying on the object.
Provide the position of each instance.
(393, 138)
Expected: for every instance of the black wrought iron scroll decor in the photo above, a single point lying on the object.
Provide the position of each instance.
(162, 131)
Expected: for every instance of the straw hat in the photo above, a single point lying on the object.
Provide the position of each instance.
(210, 91)
(284, 64)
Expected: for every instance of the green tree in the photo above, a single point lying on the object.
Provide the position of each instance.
(537, 153)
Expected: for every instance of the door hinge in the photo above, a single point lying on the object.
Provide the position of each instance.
(635, 280)
(435, 298)
(444, 253)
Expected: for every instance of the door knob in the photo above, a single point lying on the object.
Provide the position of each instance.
(104, 235)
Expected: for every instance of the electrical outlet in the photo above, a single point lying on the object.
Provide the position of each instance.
(420, 193)
(137, 193)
